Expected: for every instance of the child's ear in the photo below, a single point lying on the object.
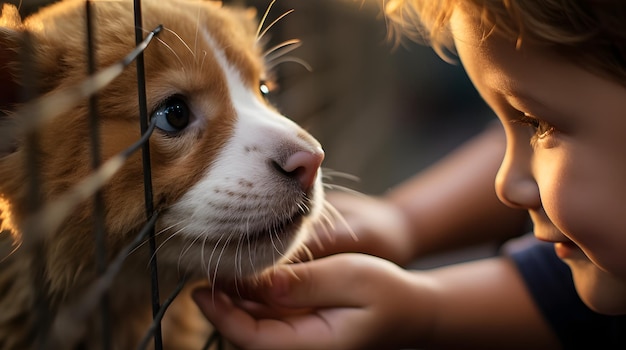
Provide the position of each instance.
(10, 45)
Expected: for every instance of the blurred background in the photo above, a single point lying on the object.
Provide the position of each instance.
(381, 113)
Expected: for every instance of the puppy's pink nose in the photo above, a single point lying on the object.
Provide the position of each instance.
(303, 166)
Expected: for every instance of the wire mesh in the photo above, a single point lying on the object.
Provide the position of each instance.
(44, 220)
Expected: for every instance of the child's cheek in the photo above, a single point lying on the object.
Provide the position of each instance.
(592, 223)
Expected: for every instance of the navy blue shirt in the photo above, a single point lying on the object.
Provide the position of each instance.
(550, 283)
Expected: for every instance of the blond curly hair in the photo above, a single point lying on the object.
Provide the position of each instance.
(590, 33)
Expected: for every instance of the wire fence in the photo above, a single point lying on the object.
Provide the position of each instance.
(43, 220)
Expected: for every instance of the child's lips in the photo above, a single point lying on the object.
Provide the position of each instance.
(544, 229)
(549, 233)
(564, 247)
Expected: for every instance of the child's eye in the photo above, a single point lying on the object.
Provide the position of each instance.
(541, 128)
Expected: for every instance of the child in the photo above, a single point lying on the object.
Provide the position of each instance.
(555, 74)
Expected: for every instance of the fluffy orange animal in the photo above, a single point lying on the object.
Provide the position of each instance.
(236, 183)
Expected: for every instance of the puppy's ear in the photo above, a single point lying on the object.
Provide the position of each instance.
(11, 37)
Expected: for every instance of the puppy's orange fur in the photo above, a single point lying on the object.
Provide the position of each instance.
(181, 62)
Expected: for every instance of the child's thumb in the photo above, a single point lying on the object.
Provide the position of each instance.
(319, 283)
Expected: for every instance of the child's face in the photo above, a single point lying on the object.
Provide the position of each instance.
(566, 158)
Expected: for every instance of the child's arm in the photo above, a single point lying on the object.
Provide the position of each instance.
(450, 204)
(354, 301)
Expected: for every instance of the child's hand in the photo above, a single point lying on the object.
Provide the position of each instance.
(347, 301)
(372, 225)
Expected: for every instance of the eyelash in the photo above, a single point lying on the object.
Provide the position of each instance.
(541, 128)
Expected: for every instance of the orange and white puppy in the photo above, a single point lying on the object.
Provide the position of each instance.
(236, 183)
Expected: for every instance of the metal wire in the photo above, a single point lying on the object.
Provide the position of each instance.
(156, 323)
(44, 221)
(71, 319)
(48, 219)
(32, 246)
(98, 201)
(147, 173)
(214, 339)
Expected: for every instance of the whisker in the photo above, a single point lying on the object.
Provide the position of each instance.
(185, 250)
(192, 52)
(250, 252)
(208, 269)
(327, 224)
(173, 52)
(303, 207)
(212, 281)
(328, 173)
(163, 243)
(168, 46)
(337, 215)
(287, 46)
(147, 239)
(316, 238)
(344, 189)
(292, 272)
(280, 241)
(211, 256)
(202, 262)
(262, 22)
(306, 251)
(168, 228)
(273, 246)
(203, 59)
(259, 37)
(285, 59)
(239, 257)
(247, 235)
(8, 255)
(326, 217)
(219, 257)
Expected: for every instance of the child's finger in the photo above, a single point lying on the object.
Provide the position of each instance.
(336, 281)
(302, 332)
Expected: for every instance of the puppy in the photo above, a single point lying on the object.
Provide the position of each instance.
(236, 184)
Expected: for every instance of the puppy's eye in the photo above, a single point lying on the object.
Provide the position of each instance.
(173, 115)
(264, 88)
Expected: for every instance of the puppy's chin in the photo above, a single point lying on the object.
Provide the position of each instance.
(241, 243)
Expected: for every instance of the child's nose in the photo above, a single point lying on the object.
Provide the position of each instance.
(515, 184)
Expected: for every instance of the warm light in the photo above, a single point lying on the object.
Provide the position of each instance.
(6, 224)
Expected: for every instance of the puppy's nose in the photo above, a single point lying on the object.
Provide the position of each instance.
(302, 166)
